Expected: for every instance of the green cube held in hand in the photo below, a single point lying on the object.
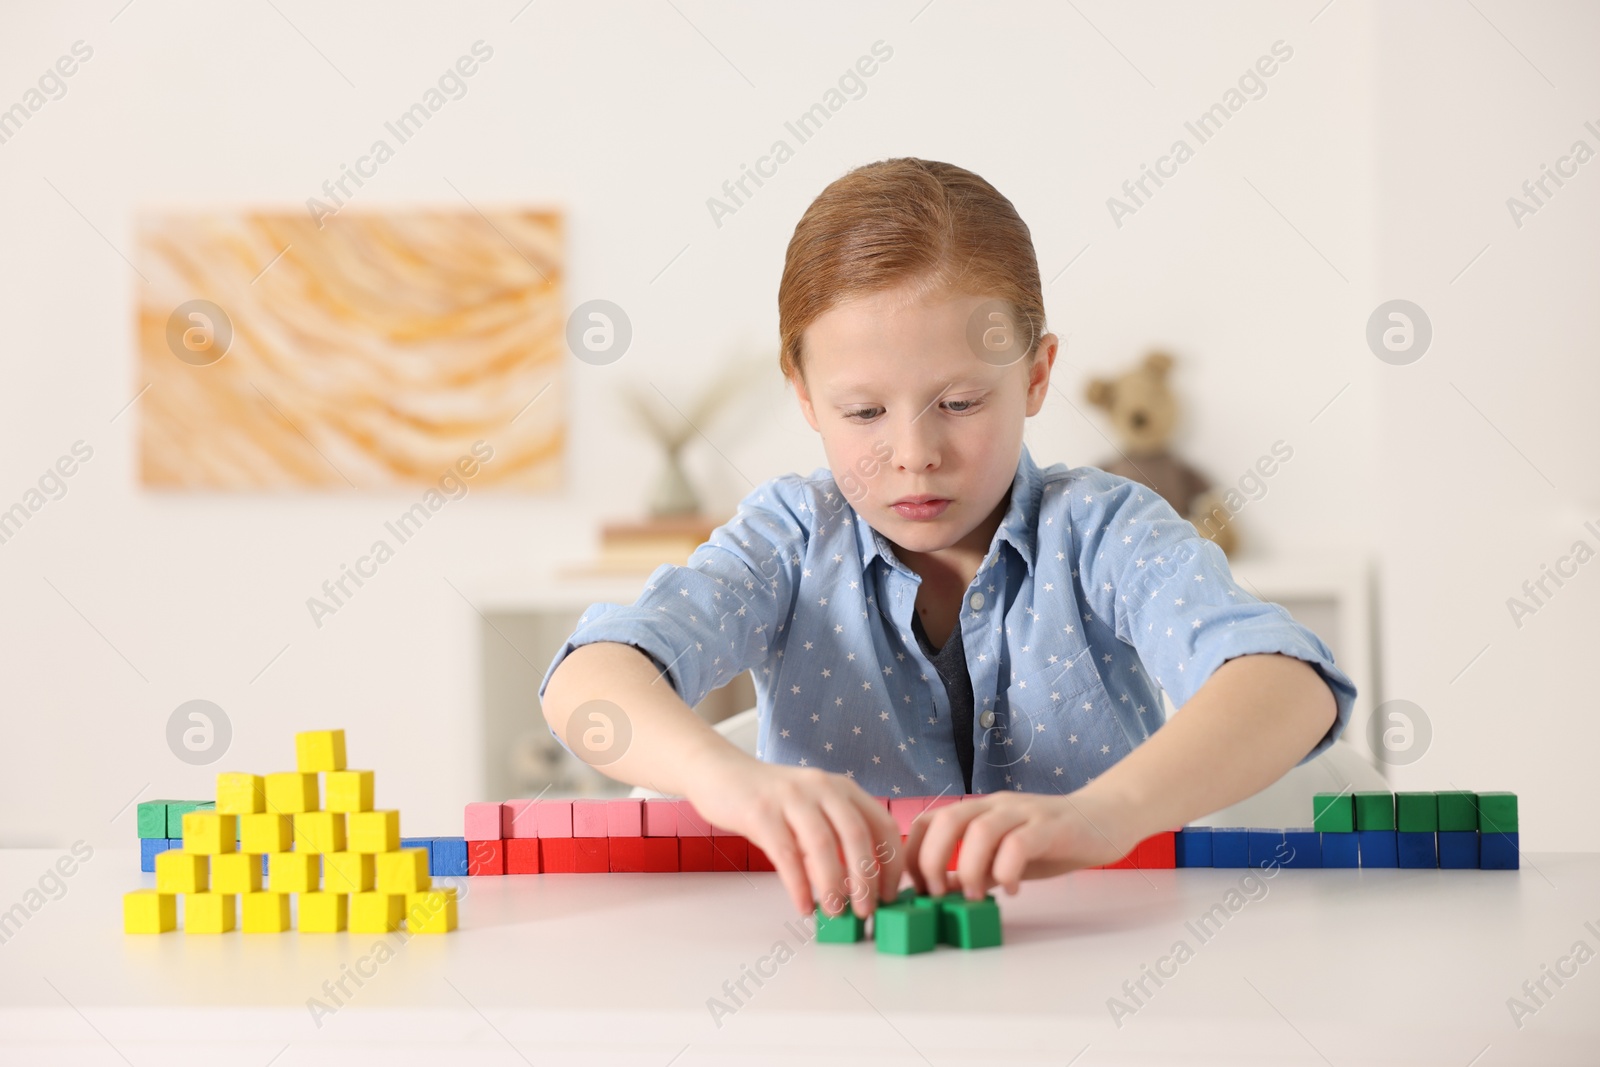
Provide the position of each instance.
(969, 923)
(1333, 812)
(840, 929)
(903, 928)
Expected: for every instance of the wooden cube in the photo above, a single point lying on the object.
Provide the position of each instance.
(431, 911)
(376, 913)
(264, 913)
(178, 871)
(487, 857)
(324, 912)
(319, 750)
(660, 818)
(293, 872)
(149, 911)
(348, 872)
(236, 872)
(373, 831)
(522, 855)
(554, 817)
(265, 833)
(625, 817)
(291, 792)
(349, 791)
(240, 794)
(209, 913)
(483, 822)
(519, 818)
(210, 833)
(403, 871)
(589, 818)
(319, 831)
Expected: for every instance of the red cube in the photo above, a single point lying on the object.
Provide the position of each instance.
(1158, 852)
(730, 853)
(694, 853)
(758, 858)
(593, 855)
(955, 854)
(625, 853)
(661, 854)
(522, 855)
(487, 857)
(558, 855)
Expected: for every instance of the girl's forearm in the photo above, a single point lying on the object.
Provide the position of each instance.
(1252, 721)
(647, 735)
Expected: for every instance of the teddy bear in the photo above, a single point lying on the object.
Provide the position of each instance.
(1144, 413)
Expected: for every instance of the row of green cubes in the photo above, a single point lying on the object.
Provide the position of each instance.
(916, 922)
(164, 818)
(1444, 810)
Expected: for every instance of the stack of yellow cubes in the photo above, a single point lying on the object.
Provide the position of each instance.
(341, 859)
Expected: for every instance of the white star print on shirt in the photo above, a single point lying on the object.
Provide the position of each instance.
(1067, 605)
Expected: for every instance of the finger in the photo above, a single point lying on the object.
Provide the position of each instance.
(861, 866)
(819, 846)
(891, 853)
(1011, 858)
(773, 837)
(915, 844)
(941, 828)
(978, 846)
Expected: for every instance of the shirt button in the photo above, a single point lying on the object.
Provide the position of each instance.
(987, 719)
(976, 601)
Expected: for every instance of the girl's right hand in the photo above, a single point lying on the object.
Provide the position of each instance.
(832, 843)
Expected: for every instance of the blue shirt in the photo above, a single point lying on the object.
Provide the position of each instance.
(1094, 592)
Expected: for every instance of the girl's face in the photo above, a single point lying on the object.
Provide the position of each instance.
(909, 403)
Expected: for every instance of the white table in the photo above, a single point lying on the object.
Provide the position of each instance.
(1314, 967)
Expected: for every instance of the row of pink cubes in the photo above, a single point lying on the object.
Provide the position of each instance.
(632, 817)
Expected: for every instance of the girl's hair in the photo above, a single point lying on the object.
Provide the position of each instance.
(935, 226)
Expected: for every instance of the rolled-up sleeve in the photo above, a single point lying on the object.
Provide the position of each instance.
(713, 617)
(1173, 598)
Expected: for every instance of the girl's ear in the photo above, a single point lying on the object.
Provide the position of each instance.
(803, 397)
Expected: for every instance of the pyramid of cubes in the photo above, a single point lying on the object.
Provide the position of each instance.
(301, 849)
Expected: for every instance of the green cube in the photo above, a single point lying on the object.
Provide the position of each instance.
(153, 818)
(840, 929)
(1333, 812)
(1497, 813)
(969, 923)
(1417, 812)
(1374, 809)
(177, 809)
(903, 929)
(1458, 810)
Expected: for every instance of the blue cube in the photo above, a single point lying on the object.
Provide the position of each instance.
(449, 857)
(1498, 852)
(1416, 849)
(1303, 847)
(1379, 848)
(1340, 849)
(1192, 847)
(420, 842)
(1266, 848)
(1230, 846)
(149, 846)
(1458, 850)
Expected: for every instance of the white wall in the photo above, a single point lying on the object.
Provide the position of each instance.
(1376, 165)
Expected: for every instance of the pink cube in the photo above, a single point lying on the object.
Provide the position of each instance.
(690, 822)
(625, 817)
(588, 818)
(554, 818)
(519, 819)
(939, 802)
(660, 817)
(905, 809)
(483, 822)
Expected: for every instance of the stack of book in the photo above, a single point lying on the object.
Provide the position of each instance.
(640, 546)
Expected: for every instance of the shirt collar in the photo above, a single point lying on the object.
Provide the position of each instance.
(1019, 525)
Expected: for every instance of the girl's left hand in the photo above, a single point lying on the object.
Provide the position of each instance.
(1007, 837)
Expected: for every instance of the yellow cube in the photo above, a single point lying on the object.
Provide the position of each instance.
(405, 871)
(432, 911)
(347, 872)
(374, 831)
(265, 833)
(208, 913)
(291, 792)
(150, 911)
(236, 872)
(240, 794)
(323, 913)
(349, 791)
(290, 872)
(210, 832)
(319, 831)
(376, 913)
(319, 750)
(178, 871)
(265, 913)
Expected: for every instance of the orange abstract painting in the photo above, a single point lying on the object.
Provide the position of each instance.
(369, 353)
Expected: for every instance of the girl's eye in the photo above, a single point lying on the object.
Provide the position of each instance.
(955, 407)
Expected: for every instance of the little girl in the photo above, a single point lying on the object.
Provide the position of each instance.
(934, 613)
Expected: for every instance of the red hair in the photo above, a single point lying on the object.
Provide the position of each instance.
(934, 226)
